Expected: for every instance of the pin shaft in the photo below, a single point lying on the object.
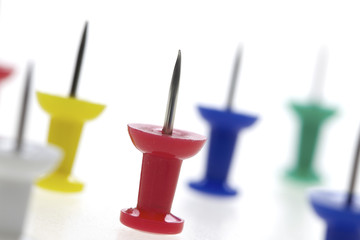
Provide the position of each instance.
(24, 108)
(78, 64)
(319, 75)
(234, 78)
(172, 99)
(354, 170)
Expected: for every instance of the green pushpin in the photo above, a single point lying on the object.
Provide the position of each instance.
(312, 116)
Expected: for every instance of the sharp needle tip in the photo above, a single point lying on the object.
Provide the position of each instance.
(24, 107)
(234, 77)
(79, 60)
(172, 99)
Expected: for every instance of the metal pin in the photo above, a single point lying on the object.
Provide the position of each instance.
(171, 105)
(351, 189)
(24, 108)
(319, 75)
(78, 62)
(234, 77)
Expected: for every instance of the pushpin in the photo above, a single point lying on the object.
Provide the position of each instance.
(340, 210)
(20, 164)
(225, 127)
(5, 72)
(68, 115)
(163, 150)
(312, 116)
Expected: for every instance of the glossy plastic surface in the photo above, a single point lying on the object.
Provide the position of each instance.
(68, 116)
(225, 126)
(17, 173)
(342, 222)
(162, 158)
(312, 116)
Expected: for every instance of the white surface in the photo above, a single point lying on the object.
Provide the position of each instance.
(130, 55)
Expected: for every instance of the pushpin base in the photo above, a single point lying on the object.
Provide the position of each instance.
(151, 222)
(308, 177)
(213, 188)
(61, 183)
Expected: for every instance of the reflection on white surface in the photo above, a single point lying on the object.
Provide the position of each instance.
(138, 235)
(297, 218)
(93, 215)
(210, 218)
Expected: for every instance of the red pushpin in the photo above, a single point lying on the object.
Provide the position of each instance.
(5, 72)
(164, 149)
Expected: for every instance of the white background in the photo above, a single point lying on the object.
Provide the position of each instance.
(130, 54)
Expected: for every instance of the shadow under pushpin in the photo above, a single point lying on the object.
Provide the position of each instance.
(225, 128)
(68, 115)
(340, 210)
(312, 116)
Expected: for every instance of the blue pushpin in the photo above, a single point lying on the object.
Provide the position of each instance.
(225, 127)
(341, 211)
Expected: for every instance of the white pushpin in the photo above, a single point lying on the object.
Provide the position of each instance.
(20, 165)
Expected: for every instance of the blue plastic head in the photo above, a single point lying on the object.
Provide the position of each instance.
(343, 221)
(225, 126)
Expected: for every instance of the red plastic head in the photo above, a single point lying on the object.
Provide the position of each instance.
(181, 144)
(5, 72)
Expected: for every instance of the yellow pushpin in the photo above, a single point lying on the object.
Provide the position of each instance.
(68, 116)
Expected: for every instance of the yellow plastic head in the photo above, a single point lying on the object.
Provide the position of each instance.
(69, 108)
